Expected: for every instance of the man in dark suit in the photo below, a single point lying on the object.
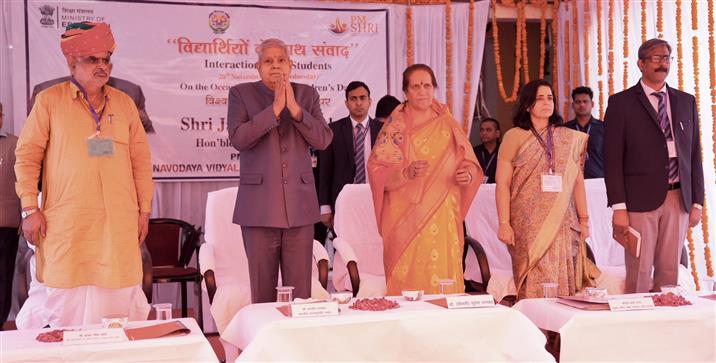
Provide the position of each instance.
(134, 91)
(273, 123)
(653, 169)
(487, 151)
(582, 104)
(344, 160)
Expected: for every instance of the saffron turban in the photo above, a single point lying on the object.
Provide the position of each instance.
(87, 38)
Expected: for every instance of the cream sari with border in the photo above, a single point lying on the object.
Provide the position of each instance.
(547, 236)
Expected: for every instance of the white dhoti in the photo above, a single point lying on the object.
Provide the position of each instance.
(84, 305)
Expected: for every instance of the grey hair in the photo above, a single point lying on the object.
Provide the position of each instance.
(272, 43)
(652, 43)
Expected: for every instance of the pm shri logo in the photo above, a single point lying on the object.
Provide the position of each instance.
(338, 27)
(47, 11)
(219, 21)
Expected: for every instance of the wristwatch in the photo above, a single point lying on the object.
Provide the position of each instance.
(27, 213)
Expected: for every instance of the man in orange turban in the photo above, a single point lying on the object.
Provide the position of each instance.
(88, 139)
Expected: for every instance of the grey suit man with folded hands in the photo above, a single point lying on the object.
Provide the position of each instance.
(272, 123)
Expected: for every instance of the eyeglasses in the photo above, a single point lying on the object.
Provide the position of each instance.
(659, 59)
(94, 60)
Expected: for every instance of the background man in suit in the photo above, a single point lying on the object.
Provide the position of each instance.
(134, 91)
(487, 151)
(9, 218)
(343, 161)
(653, 168)
(582, 104)
(273, 122)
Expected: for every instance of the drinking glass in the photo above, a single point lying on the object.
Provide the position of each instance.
(284, 294)
(163, 311)
(550, 290)
(446, 286)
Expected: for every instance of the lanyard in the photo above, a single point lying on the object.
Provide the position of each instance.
(548, 147)
(589, 128)
(97, 117)
(482, 156)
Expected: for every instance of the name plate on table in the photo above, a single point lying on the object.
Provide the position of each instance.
(303, 310)
(93, 336)
(464, 301)
(632, 303)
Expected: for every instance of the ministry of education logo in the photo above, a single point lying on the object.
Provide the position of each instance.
(47, 12)
(219, 21)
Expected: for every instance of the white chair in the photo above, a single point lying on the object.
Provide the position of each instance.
(223, 261)
(482, 225)
(358, 261)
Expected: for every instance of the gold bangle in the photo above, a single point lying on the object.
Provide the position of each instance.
(504, 222)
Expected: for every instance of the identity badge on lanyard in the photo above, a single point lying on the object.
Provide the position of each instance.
(487, 167)
(551, 181)
(589, 129)
(96, 146)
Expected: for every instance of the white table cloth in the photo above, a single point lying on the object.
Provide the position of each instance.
(664, 334)
(21, 346)
(417, 331)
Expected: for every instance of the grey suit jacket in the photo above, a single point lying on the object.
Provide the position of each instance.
(636, 161)
(132, 90)
(277, 186)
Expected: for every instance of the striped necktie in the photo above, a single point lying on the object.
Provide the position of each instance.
(663, 117)
(359, 154)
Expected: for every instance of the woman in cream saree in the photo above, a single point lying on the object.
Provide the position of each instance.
(541, 199)
(423, 175)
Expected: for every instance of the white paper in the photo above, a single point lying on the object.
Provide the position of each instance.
(469, 301)
(633, 303)
(314, 309)
(93, 336)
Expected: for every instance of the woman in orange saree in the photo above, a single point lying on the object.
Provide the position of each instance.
(424, 176)
(541, 200)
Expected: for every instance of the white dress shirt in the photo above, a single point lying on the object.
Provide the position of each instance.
(366, 151)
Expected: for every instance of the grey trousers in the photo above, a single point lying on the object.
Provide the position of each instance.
(663, 231)
(267, 249)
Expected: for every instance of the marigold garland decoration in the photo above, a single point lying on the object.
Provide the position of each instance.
(567, 57)
(600, 68)
(498, 62)
(468, 69)
(525, 55)
(409, 34)
(694, 15)
(625, 80)
(610, 52)
(712, 78)
(689, 236)
(679, 47)
(643, 21)
(660, 18)
(705, 232)
(692, 259)
(448, 53)
(542, 35)
(712, 62)
(586, 25)
(575, 47)
(555, 39)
